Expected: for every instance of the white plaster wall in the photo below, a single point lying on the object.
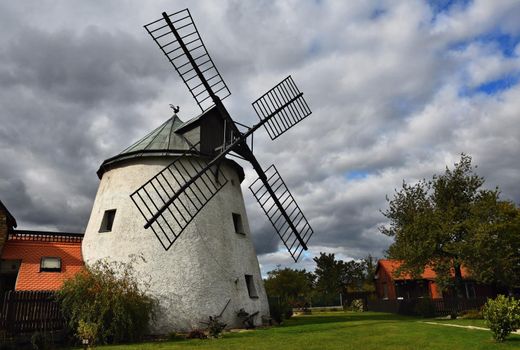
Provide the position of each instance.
(203, 269)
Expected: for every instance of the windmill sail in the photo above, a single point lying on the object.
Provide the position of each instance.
(281, 108)
(178, 38)
(181, 198)
(293, 228)
(171, 199)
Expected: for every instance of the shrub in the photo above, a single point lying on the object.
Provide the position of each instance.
(425, 308)
(87, 331)
(502, 316)
(215, 326)
(41, 341)
(357, 305)
(288, 312)
(172, 336)
(474, 314)
(196, 334)
(280, 311)
(107, 300)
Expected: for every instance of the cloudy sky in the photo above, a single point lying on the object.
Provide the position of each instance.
(398, 90)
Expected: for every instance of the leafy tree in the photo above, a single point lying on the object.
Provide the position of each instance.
(289, 284)
(337, 276)
(494, 250)
(330, 276)
(353, 275)
(436, 223)
(369, 265)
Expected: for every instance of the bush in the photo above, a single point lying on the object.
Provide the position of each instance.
(425, 308)
(357, 305)
(87, 331)
(104, 301)
(173, 336)
(280, 311)
(215, 326)
(196, 334)
(502, 316)
(472, 314)
(41, 341)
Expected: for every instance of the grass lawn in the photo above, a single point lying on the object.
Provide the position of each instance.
(344, 330)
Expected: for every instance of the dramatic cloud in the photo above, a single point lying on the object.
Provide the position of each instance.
(398, 90)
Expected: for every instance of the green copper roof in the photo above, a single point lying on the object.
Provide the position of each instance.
(162, 138)
(169, 139)
(161, 141)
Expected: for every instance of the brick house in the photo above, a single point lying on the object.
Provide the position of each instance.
(391, 287)
(36, 260)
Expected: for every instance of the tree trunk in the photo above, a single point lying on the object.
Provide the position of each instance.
(459, 290)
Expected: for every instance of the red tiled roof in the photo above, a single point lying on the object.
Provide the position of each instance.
(392, 265)
(31, 251)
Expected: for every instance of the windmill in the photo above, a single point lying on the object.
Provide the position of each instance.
(180, 180)
(162, 200)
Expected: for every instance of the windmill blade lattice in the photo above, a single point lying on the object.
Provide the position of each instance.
(284, 105)
(171, 43)
(279, 222)
(181, 206)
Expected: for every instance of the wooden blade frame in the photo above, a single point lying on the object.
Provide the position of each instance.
(156, 200)
(180, 211)
(293, 229)
(176, 34)
(271, 105)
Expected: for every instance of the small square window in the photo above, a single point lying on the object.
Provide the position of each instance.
(108, 220)
(50, 264)
(237, 222)
(250, 282)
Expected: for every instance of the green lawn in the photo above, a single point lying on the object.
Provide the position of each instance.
(344, 330)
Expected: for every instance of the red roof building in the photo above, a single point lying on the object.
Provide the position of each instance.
(391, 286)
(34, 260)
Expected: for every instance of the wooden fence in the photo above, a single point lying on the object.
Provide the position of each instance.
(443, 307)
(29, 311)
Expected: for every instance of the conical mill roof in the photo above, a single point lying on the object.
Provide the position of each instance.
(161, 141)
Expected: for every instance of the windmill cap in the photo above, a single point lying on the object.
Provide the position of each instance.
(165, 141)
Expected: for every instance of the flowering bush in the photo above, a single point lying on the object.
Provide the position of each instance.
(357, 305)
(502, 316)
(106, 301)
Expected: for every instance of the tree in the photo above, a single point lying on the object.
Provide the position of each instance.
(494, 249)
(338, 276)
(353, 276)
(436, 222)
(289, 284)
(330, 275)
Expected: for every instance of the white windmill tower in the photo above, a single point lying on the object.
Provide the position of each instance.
(179, 180)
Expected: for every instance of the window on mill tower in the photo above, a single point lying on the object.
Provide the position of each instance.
(237, 223)
(108, 220)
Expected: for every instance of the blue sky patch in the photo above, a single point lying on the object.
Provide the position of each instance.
(495, 86)
(356, 175)
(492, 87)
(441, 6)
(506, 42)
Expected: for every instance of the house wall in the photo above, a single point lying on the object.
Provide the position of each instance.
(385, 278)
(30, 252)
(203, 270)
(435, 292)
